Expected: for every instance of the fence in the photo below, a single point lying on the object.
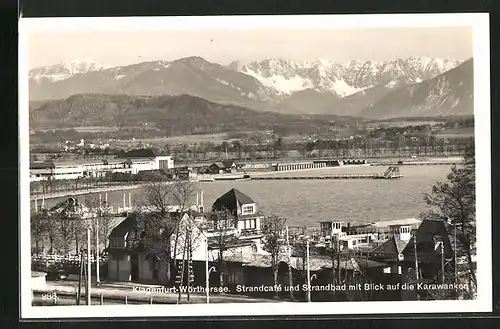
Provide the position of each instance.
(69, 263)
(66, 259)
(61, 186)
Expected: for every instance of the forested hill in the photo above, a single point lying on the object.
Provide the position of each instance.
(182, 114)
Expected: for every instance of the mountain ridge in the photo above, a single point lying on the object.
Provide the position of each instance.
(190, 114)
(311, 87)
(448, 93)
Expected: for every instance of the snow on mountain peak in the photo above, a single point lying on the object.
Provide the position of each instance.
(84, 66)
(65, 70)
(323, 75)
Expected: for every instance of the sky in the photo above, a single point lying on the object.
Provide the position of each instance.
(223, 46)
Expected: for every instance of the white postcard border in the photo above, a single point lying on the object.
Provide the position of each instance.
(480, 24)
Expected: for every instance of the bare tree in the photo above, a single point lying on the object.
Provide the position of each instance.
(223, 224)
(101, 221)
(274, 242)
(162, 202)
(64, 236)
(189, 237)
(39, 228)
(52, 231)
(238, 147)
(455, 201)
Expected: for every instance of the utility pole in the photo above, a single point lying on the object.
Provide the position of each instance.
(290, 278)
(181, 281)
(455, 252)
(189, 256)
(207, 272)
(97, 249)
(442, 261)
(308, 273)
(333, 266)
(82, 264)
(89, 268)
(415, 253)
(338, 259)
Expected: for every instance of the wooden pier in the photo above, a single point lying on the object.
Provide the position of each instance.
(390, 173)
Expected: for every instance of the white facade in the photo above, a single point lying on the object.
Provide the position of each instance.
(101, 168)
(164, 162)
(354, 241)
(401, 232)
(68, 172)
(41, 174)
(59, 172)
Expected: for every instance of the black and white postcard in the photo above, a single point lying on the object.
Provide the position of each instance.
(195, 166)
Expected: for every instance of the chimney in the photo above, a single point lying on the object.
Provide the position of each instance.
(201, 198)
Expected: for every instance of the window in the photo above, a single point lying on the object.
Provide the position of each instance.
(249, 224)
(247, 209)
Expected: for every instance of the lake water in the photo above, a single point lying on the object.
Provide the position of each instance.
(306, 202)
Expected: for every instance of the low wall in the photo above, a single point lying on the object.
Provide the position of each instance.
(38, 280)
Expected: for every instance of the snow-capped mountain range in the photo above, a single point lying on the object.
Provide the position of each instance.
(287, 77)
(273, 84)
(64, 71)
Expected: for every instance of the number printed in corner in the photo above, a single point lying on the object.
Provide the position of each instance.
(50, 296)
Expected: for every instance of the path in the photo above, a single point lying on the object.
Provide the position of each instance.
(82, 192)
(121, 291)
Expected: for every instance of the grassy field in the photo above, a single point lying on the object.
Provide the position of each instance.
(457, 132)
(403, 123)
(214, 138)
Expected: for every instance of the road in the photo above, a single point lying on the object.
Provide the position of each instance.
(84, 191)
(124, 293)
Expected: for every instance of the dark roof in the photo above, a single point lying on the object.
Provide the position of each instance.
(42, 165)
(218, 164)
(136, 222)
(426, 233)
(392, 247)
(224, 164)
(140, 153)
(228, 163)
(231, 200)
(132, 221)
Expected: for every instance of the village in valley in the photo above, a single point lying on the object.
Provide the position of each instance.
(169, 246)
(171, 167)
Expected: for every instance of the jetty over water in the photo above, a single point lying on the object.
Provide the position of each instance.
(390, 173)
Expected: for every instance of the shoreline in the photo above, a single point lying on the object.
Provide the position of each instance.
(56, 195)
(240, 176)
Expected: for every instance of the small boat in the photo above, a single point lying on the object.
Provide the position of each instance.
(205, 180)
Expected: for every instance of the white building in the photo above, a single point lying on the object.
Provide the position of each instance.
(97, 168)
(45, 171)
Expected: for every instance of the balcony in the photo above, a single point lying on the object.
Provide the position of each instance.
(250, 232)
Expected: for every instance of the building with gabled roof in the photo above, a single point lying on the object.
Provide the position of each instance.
(432, 243)
(233, 200)
(224, 166)
(244, 210)
(135, 256)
